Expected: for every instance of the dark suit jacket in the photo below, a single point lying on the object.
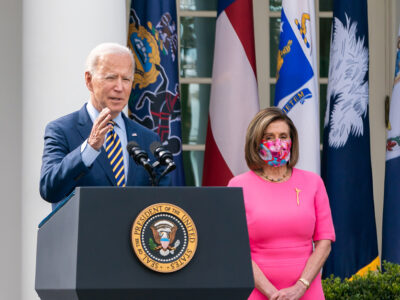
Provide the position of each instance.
(62, 165)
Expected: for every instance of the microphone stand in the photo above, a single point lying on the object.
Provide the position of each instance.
(171, 166)
(155, 181)
(152, 175)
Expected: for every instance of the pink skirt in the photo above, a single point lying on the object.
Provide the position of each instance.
(283, 267)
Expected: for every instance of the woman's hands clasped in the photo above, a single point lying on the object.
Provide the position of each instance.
(294, 292)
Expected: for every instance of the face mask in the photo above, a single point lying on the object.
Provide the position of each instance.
(275, 153)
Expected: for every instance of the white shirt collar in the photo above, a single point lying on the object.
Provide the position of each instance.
(94, 113)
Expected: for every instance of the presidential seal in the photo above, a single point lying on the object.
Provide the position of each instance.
(164, 237)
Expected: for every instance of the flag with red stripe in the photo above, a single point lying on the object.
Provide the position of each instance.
(234, 97)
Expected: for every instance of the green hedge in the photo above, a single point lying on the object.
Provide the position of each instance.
(382, 285)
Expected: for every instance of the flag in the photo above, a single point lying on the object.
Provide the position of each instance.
(155, 97)
(234, 97)
(296, 91)
(346, 164)
(391, 207)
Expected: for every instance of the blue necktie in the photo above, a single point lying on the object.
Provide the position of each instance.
(115, 155)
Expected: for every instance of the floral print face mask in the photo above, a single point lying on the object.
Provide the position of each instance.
(275, 153)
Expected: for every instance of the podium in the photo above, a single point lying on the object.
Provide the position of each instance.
(85, 251)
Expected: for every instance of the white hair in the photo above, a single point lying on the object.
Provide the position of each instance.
(104, 49)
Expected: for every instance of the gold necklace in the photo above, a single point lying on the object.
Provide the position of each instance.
(275, 180)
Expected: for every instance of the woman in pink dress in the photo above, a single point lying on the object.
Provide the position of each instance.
(287, 211)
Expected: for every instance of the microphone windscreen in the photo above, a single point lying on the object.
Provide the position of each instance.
(131, 145)
(154, 145)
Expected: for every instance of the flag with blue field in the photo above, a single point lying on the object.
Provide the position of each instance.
(155, 98)
(296, 91)
(346, 164)
(391, 207)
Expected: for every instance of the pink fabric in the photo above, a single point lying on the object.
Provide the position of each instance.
(281, 231)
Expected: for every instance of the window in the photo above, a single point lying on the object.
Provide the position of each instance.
(196, 23)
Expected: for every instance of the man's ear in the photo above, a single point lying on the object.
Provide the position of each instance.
(89, 80)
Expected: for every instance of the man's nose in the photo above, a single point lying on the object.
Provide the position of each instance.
(118, 84)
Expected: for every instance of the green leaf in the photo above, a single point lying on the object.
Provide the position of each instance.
(152, 245)
(382, 284)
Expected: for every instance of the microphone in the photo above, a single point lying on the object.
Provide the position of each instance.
(163, 155)
(139, 156)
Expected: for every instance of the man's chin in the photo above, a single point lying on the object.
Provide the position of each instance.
(116, 109)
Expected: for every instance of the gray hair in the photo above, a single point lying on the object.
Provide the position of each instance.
(104, 49)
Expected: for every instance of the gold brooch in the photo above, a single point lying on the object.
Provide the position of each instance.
(297, 196)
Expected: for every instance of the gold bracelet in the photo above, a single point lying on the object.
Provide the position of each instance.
(305, 282)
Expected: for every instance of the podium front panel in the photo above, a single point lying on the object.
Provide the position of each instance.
(107, 267)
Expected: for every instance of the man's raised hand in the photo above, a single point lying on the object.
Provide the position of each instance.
(100, 129)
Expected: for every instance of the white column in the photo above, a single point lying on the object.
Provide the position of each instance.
(57, 37)
(10, 150)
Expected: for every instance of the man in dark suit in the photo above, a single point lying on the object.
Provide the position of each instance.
(75, 145)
